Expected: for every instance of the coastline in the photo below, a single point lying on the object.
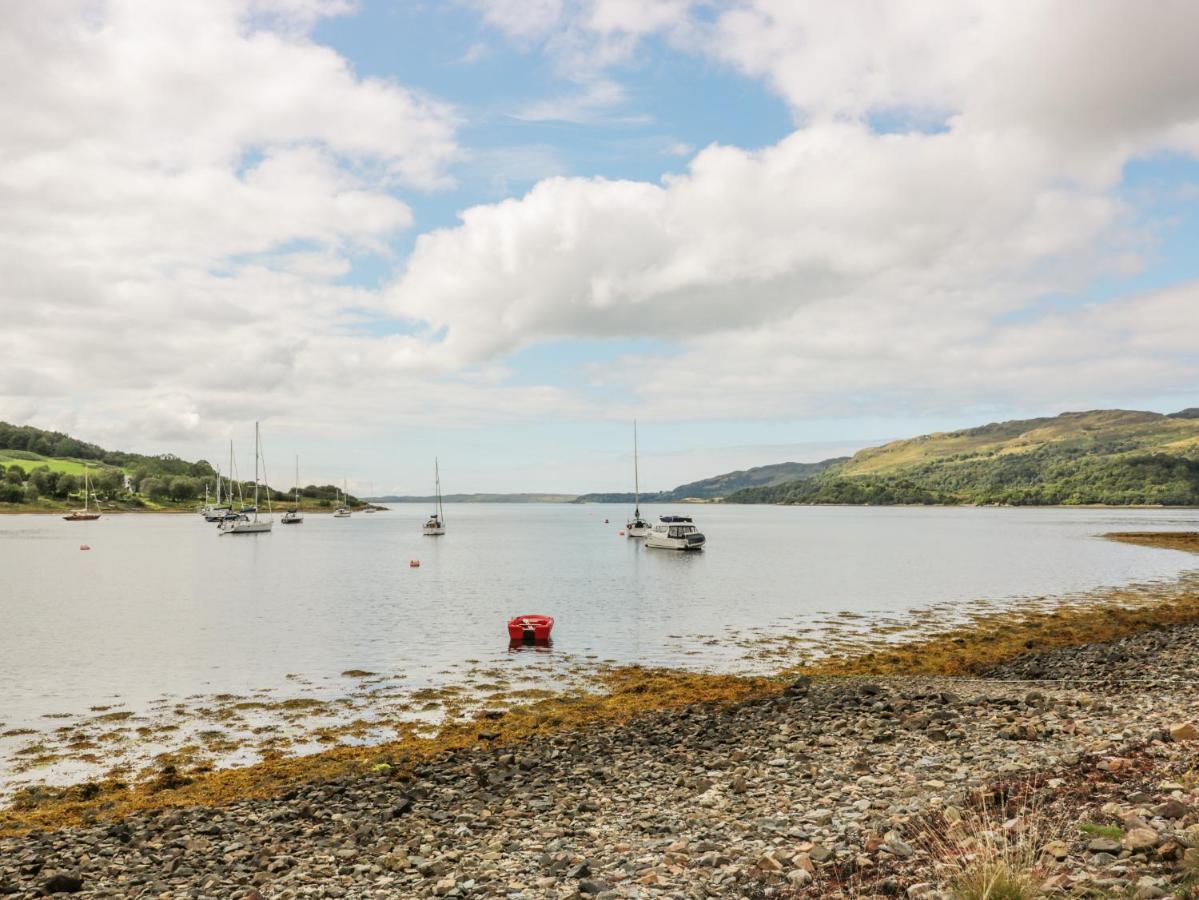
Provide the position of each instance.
(987, 664)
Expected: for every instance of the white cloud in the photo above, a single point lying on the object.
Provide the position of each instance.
(520, 18)
(851, 256)
(832, 211)
(180, 185)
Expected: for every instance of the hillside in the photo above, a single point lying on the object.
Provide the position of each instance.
(42, 470)
(1115, 457)
(722, 485)
(478, 498)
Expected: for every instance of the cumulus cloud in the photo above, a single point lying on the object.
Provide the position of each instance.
(180, 187)
(183, 186)
(952, 163)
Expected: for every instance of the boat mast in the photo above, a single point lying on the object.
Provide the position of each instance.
(85, 490)
(256, 442)
(636, 476)
(297, 481)
(437, 489)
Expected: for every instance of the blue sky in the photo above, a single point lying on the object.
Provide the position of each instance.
(498, 231)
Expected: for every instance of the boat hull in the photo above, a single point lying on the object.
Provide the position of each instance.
(292, 519)
(433, 531)
(82, 517)
(530, 628)
(246, 527)
(638, 529)
(659, 542)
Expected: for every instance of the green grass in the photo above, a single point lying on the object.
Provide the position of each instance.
(30, 461)
(1108, 831)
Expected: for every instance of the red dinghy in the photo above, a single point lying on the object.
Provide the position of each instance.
(530, 628)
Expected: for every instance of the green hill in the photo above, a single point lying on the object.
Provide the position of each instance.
(1115, 457)
(42, 470)
(720, 486)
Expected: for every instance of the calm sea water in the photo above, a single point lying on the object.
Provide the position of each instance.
(163, 606)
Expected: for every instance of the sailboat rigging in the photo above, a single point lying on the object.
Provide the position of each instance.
(251, 524)
(293, 516)
(343, 509)
(637, 526)
(85, 514)
(436, 523)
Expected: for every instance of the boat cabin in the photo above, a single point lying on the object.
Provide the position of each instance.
(676, 526)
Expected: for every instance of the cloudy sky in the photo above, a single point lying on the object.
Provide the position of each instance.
(499, 230)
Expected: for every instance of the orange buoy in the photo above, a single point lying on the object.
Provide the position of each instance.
(84, 547)
(621, 533)
(414, 563)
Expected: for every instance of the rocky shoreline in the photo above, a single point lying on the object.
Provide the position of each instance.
(1072, 766)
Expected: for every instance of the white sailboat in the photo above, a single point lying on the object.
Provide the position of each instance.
(215, 512)
(436, 523)
(637, 526)
(85, 514)
(252, 524)
(342, 511)
(293, 516)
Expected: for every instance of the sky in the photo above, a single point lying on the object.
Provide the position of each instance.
(497, 231)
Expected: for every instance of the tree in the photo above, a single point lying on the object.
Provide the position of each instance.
(31, 492)
(45, 480)
(155, 488)
(109, 482)
(67, 485)
(15, 475)
(184, 488)
(11, 493)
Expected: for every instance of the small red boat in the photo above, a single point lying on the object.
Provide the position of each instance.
(530, 628)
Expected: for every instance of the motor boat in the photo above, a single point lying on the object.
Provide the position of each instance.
(530, 628)
(675, 533)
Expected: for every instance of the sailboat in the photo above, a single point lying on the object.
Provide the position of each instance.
(85, 514)
(226, 513)
(342, 511)
(251, 524)
(214, 512)
(293, 516)
(436, 523)
(637, 526)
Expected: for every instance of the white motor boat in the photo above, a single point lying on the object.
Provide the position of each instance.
(248, 522)
(436, 522)
(675, 533)
(637, 526)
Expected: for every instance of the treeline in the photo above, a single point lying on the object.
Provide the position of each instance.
(128, 479)
(112, 485)
(1048, 475)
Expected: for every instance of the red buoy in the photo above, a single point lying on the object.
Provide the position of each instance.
(84, 547)
(414, 563)
(530, 628)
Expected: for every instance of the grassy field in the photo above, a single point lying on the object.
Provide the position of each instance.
(30, 461)
(1089, 431)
